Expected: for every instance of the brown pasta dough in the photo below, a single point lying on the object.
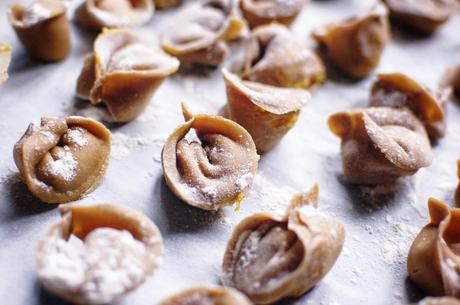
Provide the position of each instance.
(263, 12)
(215, 169)
(457, 192)
(425, 16)
(439, 301)
(63, 158)
(355, 45)
(119, 248)
(163, 4)
(98, 14)
(456, 81)
(209, 295)
(271, 257)
(398, 90)
(380, 144)
(266, 112)
(123, 73)
(451, 80)
(201, 31)
(5, 58)
(433, 262)
(274, 57)
(43, 28)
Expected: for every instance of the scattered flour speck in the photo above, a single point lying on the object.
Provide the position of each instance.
(269, 196)
(123, 145)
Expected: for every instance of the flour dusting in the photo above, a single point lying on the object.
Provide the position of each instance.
(103, 267)
(123, 145)
(65, 166)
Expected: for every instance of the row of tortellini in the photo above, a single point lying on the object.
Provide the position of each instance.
(385, 141)
(201, 36)
(66, 153)
(64, 158)
(268, 257)
(212, 22)
(201, 30)
(124, 71)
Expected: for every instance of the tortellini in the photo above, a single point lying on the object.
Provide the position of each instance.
(97, 14)
(271, 257)
(457, 191)
(123, 73)
(355, 45)
(433, 262)
(209, 295)
(398, 90)
(451, 80)
(201, 31)
(63, 158)
(274, 57)
(456, 81)
(380, 144)
(439, 301)
(423, 15)
(258, 12)
(119, 248)
(163, 4)
(5, 58)
(43, 28)
(213, 170)
(266, 112)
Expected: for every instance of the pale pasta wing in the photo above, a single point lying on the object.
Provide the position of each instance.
(98, 14)
(123, 73)
(263, 12)
(5, 58)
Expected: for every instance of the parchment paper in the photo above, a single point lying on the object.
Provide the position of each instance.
(371, 269)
